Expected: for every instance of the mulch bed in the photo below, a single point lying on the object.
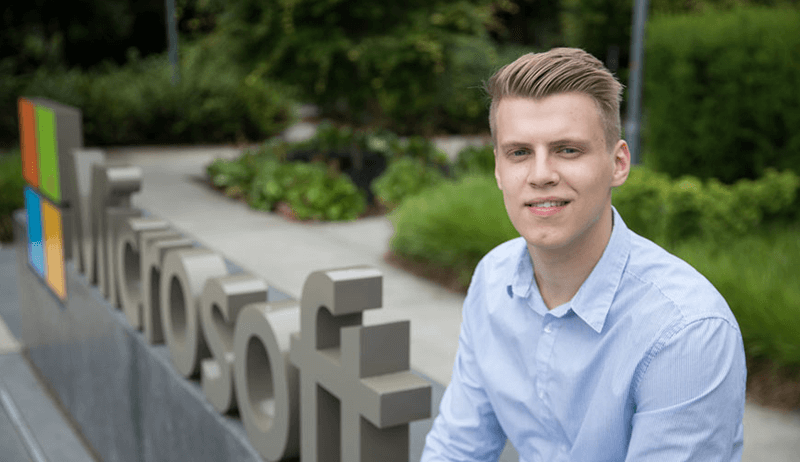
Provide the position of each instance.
(773, 387)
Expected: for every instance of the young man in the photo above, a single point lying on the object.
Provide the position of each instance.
(580, 340)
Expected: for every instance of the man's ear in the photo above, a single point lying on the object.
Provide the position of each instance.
(622, 163)
(496, 171)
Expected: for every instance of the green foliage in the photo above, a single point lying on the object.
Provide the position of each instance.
(721, 93)
(452, 225)
(671, 211)
(11, 197)
(757, 275)
(383, 63)
(330, 139)
(137, 103)
(232, 176)
(404, 177)
(597, 25)
(310, 190)
(474, 160)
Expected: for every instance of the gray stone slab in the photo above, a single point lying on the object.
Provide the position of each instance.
(128, 400)
(50, 435)
(11, 444)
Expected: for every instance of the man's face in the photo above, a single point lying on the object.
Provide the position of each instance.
(555, 171)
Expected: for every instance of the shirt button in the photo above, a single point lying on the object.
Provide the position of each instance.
(548, 328)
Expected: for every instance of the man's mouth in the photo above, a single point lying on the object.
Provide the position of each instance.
(547, 204)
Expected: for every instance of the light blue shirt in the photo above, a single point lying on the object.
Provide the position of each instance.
(645, 363)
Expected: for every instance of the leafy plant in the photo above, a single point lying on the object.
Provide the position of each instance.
(311, 190)
(404, 177)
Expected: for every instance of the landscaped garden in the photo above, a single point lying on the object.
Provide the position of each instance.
(718, 184)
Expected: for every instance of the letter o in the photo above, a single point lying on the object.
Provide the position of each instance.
(266, 381)
(183, 276)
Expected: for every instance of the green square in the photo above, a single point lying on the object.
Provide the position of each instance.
(49, 182)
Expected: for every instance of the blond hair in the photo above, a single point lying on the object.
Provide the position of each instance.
(560, 70)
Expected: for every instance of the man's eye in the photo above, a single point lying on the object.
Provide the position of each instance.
(569, 151)
(519, 153)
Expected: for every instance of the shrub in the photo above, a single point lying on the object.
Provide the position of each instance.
(232, 176)
(474, 160)
(215, 101)
(379, 63)
(404, 177)
(671, 211)
(721, 93)
(310, 190)
(757, 275)
(11, 197)
(452, 225)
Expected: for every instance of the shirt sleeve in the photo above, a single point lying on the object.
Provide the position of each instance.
(690, 398)
(466, 428)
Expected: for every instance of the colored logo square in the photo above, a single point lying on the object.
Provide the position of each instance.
(33, 206)
(53, 248)
(27, 135)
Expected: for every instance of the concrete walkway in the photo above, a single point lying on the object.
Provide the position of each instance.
(285, 252)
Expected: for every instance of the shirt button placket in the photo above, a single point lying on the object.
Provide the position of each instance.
(544, 356)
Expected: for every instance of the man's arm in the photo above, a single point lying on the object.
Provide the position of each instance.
(466, 428)
(690, 398)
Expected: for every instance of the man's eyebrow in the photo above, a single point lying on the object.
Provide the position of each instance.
(579, 143)
(514, 145)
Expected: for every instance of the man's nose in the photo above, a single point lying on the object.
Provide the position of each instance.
(542, 172)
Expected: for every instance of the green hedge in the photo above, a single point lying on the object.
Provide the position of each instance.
(671, 211)
(456, 223)
(757, 275)
(11, 196)
(721, 93)
(215, 101)
(452, 225)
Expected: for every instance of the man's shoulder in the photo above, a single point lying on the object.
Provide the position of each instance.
(672, 282)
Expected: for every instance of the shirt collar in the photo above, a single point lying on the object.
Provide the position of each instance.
(593, 300)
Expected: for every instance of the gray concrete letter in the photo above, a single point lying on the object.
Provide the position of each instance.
(111, 187)
(266, 381)
(155, 245)
(183, 276)
(357, 393)
(129, 262)
(220, 303)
